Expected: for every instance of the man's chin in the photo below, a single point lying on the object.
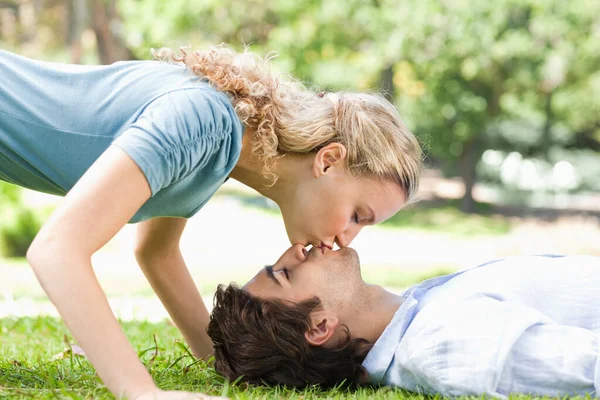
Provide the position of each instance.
(350, 251)
(350, 257)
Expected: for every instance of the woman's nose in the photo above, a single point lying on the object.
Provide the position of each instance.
(347, 237)
(299, 252)
(293, 256)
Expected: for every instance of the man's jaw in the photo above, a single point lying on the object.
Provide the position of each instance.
(369, 319)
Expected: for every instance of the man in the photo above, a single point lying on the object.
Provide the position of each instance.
(519, 325)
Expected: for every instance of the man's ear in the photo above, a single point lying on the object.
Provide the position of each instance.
(328, 156)
(322, 329)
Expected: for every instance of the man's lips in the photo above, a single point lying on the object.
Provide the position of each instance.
(316, 249)
(324, 246)
(321, 248)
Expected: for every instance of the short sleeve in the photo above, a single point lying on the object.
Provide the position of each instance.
(177, 133)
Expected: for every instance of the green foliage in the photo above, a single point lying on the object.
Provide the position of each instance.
(18, 231)
(395, 277)
(514, 76)
(511, 75)
(18, 224)
(508, 75)
(9, 194)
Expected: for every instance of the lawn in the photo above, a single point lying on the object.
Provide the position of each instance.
(432, 217)
(35, 363)
(410, 247)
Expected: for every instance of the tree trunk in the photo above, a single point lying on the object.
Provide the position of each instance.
(546, 142)
(387, 83)
(101, 26)
(27, 22)
(77, 21)
(468, 172)
(8, 24)
(105, 22)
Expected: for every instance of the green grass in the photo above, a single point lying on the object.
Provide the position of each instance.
(448, 218)
(443, 217)
(392, 278)
(27, 287)
(35, 365)
(13, 261)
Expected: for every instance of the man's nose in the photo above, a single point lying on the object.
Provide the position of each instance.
(348, 236)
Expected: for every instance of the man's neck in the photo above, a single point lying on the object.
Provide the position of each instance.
(374, 315)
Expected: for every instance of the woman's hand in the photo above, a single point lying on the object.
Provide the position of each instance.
(176, 395)
(98, 206)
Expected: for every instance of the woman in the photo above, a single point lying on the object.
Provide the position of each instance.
(149, 142)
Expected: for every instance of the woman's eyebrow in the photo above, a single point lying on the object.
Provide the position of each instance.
(269, 269)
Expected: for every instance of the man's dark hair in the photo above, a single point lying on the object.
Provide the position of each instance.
(262, 342)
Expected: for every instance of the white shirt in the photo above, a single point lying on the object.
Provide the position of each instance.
(519, 325)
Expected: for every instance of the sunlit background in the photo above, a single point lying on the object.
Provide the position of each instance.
(504, 96)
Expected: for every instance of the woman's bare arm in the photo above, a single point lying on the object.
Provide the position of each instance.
(99, 205)
(159, 256)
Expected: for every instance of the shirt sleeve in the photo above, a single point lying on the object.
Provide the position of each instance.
(176, 133)
(488, 346)
(553, 360)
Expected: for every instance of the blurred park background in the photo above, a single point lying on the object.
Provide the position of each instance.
(504, 96)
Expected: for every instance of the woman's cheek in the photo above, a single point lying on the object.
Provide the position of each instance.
(338, 224)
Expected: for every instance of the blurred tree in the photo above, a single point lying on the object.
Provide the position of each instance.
(9, 194)
(509, 73)
(9, 10)
(107, 25)
(308, 33)
(512, 75)
(554, 120)
(32, 27)
(77, 14)
(18, 223)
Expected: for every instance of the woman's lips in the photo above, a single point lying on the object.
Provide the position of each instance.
(324, 246)
(321, 247)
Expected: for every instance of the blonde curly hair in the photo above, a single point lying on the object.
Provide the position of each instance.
(288, 118)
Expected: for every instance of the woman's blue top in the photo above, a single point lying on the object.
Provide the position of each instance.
(57, 119)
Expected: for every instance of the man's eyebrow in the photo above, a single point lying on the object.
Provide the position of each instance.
(269, 269)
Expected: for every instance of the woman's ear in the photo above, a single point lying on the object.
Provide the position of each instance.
(328, 156)
(322, 329)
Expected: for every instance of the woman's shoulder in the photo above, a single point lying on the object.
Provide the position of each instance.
(197, 109)
(181, 132)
